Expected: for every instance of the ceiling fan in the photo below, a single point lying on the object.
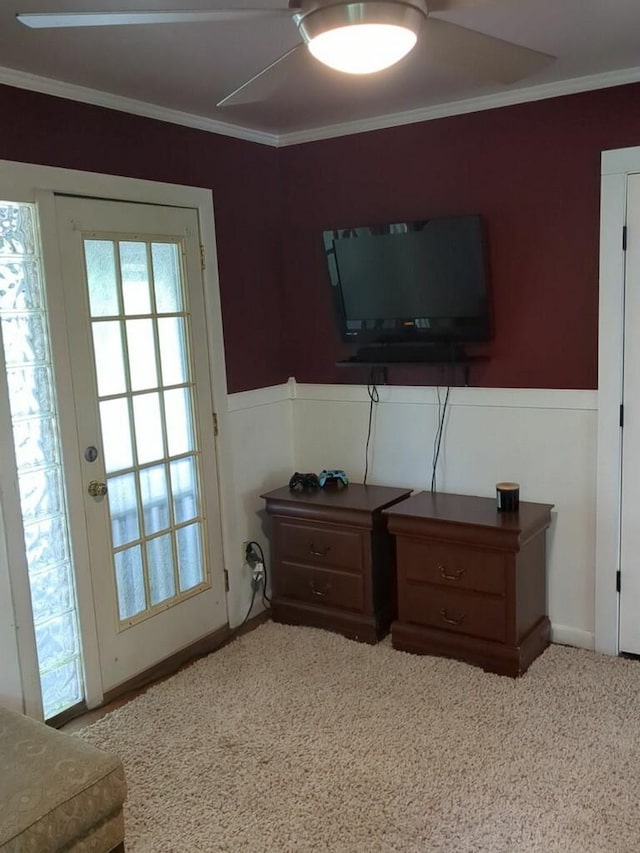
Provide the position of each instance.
(352, 36)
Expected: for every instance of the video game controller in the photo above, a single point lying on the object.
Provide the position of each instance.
(336, 474)
(304, 481)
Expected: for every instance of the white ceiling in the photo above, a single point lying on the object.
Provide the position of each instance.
(189, 67)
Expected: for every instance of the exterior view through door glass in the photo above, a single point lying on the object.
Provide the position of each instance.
(132, 284)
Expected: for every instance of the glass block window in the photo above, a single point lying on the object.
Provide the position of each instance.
(25, 334)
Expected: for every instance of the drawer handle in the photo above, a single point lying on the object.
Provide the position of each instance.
(319, 593)
(450, 620)
(319, 553)
(455, 575)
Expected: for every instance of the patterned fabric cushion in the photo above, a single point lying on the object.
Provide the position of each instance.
(54, 788)
(105, 837)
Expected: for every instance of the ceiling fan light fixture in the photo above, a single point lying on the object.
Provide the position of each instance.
(362, 38)
(362, 48)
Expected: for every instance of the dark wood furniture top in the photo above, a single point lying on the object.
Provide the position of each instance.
(332, 558)
(354, 497)
(468, 510)
(471, 580)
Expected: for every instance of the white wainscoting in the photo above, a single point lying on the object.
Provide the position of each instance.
(261, 437)
(543, 439)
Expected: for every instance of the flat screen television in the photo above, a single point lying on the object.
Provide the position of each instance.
(420, 282)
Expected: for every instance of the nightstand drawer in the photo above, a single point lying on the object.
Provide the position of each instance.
(320, 586)
(451, 565)
(321, 545)
(457, 611)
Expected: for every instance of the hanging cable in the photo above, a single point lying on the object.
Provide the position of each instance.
(442, 414)
(235, 630)
(375, 375)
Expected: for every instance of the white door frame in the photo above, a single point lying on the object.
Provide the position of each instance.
(24, 182)
(616, 166)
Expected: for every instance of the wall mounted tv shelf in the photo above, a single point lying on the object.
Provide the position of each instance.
(419, 355)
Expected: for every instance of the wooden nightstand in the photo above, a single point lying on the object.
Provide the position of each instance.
(332, 558)
(471, 580)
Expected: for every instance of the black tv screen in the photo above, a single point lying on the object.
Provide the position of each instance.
(421, 282)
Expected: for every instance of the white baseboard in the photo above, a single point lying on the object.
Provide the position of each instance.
(567, 636)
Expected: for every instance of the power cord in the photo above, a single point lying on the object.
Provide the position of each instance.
(442, 414)
(246, 618)
(376, 375)
(259, 565)
(259, 579)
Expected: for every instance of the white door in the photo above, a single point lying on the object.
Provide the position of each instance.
(136, 325)
(630, 533)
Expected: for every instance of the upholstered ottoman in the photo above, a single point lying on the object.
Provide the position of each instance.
(57, 793)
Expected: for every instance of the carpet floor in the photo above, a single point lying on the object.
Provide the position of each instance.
(294, 739)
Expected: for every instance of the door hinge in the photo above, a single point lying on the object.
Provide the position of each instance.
(621, 415)
(215, 424)
(624, 238)
(226, 580)
(203, 257)
(618, 581)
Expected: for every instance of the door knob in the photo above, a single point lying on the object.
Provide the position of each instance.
(97, 489)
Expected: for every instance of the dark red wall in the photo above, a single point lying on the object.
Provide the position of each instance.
(533, 172)
(242, 175)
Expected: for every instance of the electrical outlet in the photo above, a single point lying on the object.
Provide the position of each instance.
(253, 555)
(257, 576)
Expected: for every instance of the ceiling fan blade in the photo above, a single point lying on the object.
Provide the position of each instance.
(452, 5)
(482, 57)
(262, 84)
(50, 20)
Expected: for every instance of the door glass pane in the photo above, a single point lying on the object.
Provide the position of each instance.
(107, 347)
(101, 277)
(142, 354)
(32, 401)
(116, 434)
(155, 500)
(184, 489)
(148, 421)
(167, 277)
(173, 350)
(130, 582)
(156, 560)
(135, 278)
(189, 556)
(123, 507)
(179, 423)
(162, 584)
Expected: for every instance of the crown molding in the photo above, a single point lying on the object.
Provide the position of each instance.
(572, 86)
(73, 92)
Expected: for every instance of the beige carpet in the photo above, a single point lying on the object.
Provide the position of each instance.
(292, 739)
